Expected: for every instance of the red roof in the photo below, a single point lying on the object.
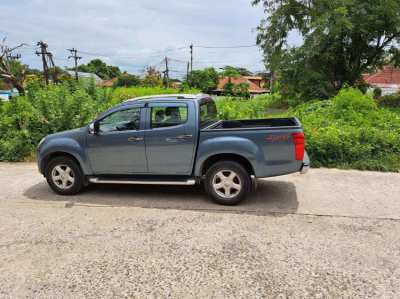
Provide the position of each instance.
(253, 87)
(389, 75)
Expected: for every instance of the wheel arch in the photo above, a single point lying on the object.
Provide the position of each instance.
(56, 154)
(211, 160)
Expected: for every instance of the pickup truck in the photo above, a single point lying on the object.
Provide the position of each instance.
(173, 140)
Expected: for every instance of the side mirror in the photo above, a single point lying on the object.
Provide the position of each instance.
(94, 128)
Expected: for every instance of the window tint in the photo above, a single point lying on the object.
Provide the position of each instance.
(208, 113)
(123, 120)
(168, 116)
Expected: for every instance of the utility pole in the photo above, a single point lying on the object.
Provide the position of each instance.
(76, 58)
(166, 73)
(43, 52)
(191, 58)
(187, 71)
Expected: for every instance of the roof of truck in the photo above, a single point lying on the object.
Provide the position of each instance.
(194, 97)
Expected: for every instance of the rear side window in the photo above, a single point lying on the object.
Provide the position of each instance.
(168, 116)
(208, 113)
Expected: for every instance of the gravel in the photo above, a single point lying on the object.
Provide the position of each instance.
(329, 233)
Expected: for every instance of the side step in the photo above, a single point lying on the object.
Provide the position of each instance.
(188, 182)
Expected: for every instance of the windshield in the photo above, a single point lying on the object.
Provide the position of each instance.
(208, 113)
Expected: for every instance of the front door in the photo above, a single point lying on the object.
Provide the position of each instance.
(170, 139)
(119, 146)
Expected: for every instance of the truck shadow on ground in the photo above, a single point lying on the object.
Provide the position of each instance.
(271, 197)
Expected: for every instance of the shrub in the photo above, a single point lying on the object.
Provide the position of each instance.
(350, 131)
(377, 93)
(127, 80)
(392, 100)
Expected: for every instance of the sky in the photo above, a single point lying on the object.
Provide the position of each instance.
(133, 34)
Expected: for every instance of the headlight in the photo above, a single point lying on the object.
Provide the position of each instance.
(41, 141)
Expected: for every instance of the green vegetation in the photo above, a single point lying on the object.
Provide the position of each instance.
(205, 80)
(391, 100)
(101, 69)
(342, 40)
(347, 131)
(26, 119)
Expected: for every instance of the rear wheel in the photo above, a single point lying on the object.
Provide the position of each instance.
(64, 176)
(227, 182)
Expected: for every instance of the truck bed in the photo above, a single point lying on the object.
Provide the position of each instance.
(255, 124)
(269, 141)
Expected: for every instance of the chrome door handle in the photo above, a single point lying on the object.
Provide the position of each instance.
(135, 139)
(178, 138)
(184, 136)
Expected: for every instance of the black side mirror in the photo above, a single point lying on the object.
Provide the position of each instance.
(94, 128)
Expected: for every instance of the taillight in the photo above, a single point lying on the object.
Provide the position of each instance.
(298, 140)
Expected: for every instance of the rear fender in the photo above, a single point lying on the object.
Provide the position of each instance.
(228, 145)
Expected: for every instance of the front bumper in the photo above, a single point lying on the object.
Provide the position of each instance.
(306, 164)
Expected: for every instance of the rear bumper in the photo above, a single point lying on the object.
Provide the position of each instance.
(306, 164)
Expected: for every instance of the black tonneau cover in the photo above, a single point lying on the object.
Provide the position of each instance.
(255, 123)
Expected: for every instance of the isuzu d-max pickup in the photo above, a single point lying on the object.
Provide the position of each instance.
(173, 140)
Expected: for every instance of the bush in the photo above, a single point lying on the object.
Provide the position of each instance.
(377, 93)
(234, 108)
(392, 100)
(127, 80)
(350, 131)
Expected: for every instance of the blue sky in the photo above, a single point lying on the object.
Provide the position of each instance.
(135, 33)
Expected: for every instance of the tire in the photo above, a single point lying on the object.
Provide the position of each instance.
(70, 178)
(232, 179)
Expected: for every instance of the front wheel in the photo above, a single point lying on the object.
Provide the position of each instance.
(64, 176)
(227, 182)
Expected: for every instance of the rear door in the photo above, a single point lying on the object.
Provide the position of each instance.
(170, 138)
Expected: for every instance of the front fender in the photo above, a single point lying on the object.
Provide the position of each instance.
(64, 145)
(228, 145)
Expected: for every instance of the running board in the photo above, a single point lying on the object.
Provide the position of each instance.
(189, 182)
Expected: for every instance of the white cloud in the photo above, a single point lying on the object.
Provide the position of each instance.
(132, 34)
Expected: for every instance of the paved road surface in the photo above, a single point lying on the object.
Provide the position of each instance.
(329, 233)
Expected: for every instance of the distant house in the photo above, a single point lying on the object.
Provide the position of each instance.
(387, 79)
(256, 84)
(8, 94)
(88, 76)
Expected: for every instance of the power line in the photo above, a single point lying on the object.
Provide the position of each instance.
(226, 47)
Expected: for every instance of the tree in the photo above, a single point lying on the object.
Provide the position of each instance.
(11, 71)
(127, 80)
(152, 78)
(205, 80)
(241, 71)
(101, 69)
(342, 39)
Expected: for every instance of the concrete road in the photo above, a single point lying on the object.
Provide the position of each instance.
(329, 233)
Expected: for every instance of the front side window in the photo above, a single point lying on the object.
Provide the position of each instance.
(123, 120)
(168, 116)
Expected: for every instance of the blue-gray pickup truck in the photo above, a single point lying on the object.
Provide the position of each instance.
(173, 140)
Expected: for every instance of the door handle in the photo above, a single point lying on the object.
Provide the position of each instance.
(184, 136)
(178, 138)
(135, 139)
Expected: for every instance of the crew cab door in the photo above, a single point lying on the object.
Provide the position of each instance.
(118, 147)
(170, 135)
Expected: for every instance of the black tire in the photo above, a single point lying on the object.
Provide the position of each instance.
(76, 173)
(225, 168)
